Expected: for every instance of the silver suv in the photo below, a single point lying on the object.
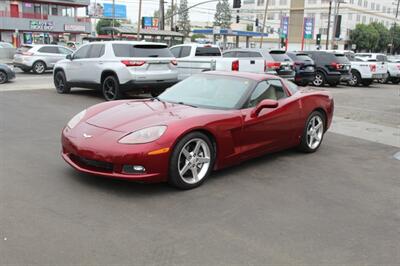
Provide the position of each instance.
(117, 67)
(39, 58)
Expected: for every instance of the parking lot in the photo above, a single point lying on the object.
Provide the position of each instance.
(338, 206)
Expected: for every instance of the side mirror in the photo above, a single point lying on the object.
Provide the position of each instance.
(267, 103)
(69, 56)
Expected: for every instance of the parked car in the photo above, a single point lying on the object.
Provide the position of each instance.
(6, 73)
(117, 67)
(276, 62)
(304, 67)
(331, 68)
(7, 51)
(196, 58)
(39, 58)
(393, 68)
(206, 122)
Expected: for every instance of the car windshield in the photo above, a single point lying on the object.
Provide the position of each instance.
(342, 59)
(208, 91)
(280, 56)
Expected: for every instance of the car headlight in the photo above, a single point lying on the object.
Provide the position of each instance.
(76, 119)
(144, 135)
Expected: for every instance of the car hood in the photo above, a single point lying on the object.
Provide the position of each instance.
(134, 115)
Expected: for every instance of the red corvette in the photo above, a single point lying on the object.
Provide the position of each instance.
(208, 121)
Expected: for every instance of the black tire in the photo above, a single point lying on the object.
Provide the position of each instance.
(111, 89)
(319, 79)
(175, 179)
(355, 79)
(305, 144)
(396, 80)
(60, 82)
(366, 83)
(39, 67)
(3, 77)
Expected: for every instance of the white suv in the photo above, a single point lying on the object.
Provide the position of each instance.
(117, 67)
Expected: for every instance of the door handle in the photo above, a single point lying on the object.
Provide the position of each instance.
(101, 62)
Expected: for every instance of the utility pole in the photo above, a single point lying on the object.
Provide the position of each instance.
(329, 25)
(394, 27)
(264, 21)
(113, 19)
(172, 18)
(161, 22)
(139, 21)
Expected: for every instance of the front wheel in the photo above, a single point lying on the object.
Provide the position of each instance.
(39, 67)
(355, 79)
(3, 77)
(110, 89)
(396, 80)
(313, 132)
(319, 79)
(61, 83)
(192, 161)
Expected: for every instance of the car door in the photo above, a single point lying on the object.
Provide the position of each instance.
(62, 53)
(184, 63)
(273, 129)
(49, 54)
(93, 64)
(75, 70)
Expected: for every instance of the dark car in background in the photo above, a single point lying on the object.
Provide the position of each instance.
(6, 73)
(304, 67)
(276, 62)
(331, 68)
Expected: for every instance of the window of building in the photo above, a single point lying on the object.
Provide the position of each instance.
(365, 4)
(54, 10)
(359, 2)
(364, 19)
(312, 2)
(358, 18)
(378, 7)
(350, 16)
(260, 2)
(283, 2)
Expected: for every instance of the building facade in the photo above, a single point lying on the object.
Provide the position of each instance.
(352, 13)
(43, 21)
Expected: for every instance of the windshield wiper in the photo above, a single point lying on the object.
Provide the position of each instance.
(182, 103)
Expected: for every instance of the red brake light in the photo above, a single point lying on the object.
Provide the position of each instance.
(398, 66)
(235, 65)
(335, 65)
(372, 67)
(174, 62)
(129, 63)
(298, 63)
(273, 65)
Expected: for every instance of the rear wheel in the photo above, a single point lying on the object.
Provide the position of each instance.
(61, 83)
(396, 81)
(319, 79)
(39, 67)
(355, 79)
(313, 132)
(3, 77)
(192, 161)
(110, 88)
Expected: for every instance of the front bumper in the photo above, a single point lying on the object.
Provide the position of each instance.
(102, 155)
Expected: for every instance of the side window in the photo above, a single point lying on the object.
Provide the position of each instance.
(82, 52)
(271, 89)
(175, 51)
(185, 51)
(291, 86)
(63, 50)
(49, 49)
(96, 51)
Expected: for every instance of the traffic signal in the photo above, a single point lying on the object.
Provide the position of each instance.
(237, 19)
(256, 22)
(318, 38)
(176, 28)
(338, 25)
(237, 3)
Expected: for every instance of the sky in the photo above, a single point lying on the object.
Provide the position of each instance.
(201, 13)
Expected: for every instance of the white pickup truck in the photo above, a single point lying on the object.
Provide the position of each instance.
(393, 68)
(364, 71)
(197, 58)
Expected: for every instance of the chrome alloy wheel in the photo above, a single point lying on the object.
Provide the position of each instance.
(194, 161)
(39, 67)
(318, 80)
(3, 77)
(353, 81)
(315, 130)
(110, 89)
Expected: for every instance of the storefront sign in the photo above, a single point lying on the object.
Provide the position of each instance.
(72, 27)
(284, 27)
(308, 30)
(41, 25)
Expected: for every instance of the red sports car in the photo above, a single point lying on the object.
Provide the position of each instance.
(208, 121)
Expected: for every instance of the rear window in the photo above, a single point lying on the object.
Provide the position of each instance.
(129, 50)
(280, 57)
(24, 48)
(208, 51)
(381, 58)
(303, 57)
(342, 59)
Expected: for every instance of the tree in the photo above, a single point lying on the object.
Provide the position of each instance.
(168, 14)
(105, 23)
(183, 19)
(365, 37)
(384, 37)
(396, 32)
(223, 15)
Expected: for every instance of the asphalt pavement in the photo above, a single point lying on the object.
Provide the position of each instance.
(339, 206)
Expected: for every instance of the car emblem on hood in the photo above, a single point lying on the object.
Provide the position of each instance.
(87, 136)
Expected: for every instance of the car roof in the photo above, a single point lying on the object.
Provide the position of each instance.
(197, 45)
(128, 42)
(248, 75)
